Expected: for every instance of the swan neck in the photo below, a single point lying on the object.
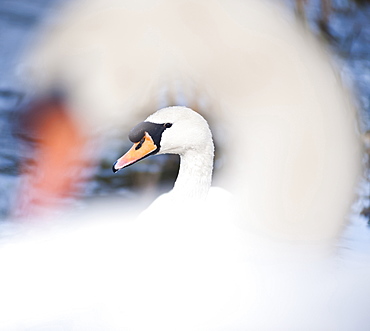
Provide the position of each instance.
(195, 174)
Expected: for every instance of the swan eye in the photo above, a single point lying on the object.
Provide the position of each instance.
(167, 125)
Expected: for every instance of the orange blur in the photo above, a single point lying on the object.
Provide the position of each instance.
(58, 159)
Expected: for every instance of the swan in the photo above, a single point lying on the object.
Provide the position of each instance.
(269, 83)
(176, 130)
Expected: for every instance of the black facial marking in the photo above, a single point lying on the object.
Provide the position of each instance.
(154, 130)
(138, 146)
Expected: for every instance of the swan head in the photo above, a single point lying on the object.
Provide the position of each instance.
(171, 130)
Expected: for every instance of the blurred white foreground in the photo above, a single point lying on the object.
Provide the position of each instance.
(182, 271)
(292, 160)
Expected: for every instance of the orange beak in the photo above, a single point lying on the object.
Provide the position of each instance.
(138, 151)
(58, 158)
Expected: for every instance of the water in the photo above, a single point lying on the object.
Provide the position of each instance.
(18, 20)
